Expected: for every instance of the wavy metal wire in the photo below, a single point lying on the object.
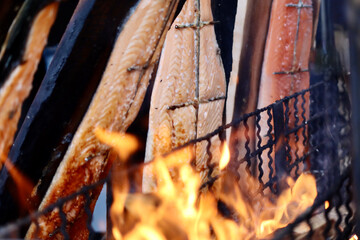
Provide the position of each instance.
(316, 130)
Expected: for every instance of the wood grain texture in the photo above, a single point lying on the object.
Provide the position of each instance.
(251, 26)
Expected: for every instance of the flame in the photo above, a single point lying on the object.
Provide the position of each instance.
(354, 237)
(225, 158)
(178, 210)
(124, 144)
(24, 185)
(291, 202)
(327, 204)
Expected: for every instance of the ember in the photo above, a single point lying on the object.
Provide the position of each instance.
(354, 237)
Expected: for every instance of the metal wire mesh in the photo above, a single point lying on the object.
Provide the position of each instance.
(305, 132)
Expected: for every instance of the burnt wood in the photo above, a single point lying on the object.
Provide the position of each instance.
(8, 11)
(280, 149)
(250, 66)
(63, 97)
(252, 55)
(224, 12)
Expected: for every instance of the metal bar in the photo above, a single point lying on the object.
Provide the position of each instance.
(194, 103)
(291, 72)
(280, 149)
(314, 117)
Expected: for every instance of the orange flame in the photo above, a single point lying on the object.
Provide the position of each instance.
(124, 144)
(354, 237)
(177, 210)
(225, 158)
(327, 204)
(24, 185)
(291, 202)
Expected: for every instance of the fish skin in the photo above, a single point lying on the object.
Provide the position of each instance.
(279, 52)
(19, 83)
(279, 57)
(176, 83)
(113, 108)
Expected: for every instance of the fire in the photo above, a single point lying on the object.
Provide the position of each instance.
(354, 237)
(327, 204)
(124, 144)
(225, 158)
(291, 202)
(179, 210)
(24, 185)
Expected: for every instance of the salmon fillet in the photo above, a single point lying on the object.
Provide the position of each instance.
(188, 96)
(113, 108)
(18, 85)
(285, 67)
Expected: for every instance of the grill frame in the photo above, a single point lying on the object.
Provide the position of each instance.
(339, 186)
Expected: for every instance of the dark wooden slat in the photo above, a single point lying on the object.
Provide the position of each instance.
(224, 12)
(65, 12)
(252, 54)
(63, 97)
(8, 11)
(250, 65)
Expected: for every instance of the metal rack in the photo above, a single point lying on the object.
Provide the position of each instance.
(326, 117)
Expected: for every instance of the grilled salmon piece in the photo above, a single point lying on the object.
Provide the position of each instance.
(114, 107)
(286, 59)
(188, 96)
(17, 71)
